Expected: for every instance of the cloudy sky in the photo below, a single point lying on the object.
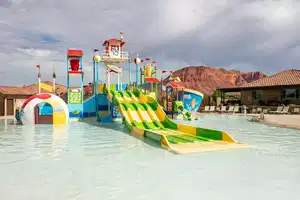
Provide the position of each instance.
(248, 35)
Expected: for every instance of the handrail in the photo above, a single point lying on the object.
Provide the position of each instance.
(106, 54)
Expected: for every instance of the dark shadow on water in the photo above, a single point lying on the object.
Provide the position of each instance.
(118, 126)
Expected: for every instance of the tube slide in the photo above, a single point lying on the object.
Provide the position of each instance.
(144, 117)
(186, 114)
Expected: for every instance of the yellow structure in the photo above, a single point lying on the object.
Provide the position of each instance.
(46, 87)
(148, 71)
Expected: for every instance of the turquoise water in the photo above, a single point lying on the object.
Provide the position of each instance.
(92, 162)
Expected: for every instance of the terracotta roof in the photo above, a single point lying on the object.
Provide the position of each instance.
(287, 77)
(113, 40)
(15, 90)
(29, 89)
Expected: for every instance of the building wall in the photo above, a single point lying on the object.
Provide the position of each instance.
(9, 103)
(271, 94)
(246, 97)
(267, 95)
(1, 106)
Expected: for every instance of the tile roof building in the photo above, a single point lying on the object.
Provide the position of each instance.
(281, 88)
(12, 97)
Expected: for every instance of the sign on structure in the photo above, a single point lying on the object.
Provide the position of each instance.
(75, 97)
(114, 68)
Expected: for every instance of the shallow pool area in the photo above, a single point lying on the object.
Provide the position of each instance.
(91, 161)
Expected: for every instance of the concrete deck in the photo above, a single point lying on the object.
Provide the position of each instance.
(287, 121)
(7, 117)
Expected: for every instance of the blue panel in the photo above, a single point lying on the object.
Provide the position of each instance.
(89, 114)
(102, 107)
(45, 109)
(115, 112)
(102, 99)
(191, 102)
(89, 105)
(76, 110)
(73, 115)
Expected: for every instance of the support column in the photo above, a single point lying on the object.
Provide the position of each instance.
(5, 106)
(14, 106)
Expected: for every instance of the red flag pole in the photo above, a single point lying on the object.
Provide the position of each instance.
(39, 78)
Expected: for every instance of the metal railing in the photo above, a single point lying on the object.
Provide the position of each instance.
(106, 54)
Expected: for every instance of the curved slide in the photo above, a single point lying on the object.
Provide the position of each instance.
(144, 117)
(186, 114)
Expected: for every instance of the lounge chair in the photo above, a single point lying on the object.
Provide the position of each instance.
(265, 111)
(279, 109)
(236, 109)
(230, 109)
(254, 110)
(296, 111)
(223, 109)
(206, 108)
(212, 109)
(259, 110)
(285, 110)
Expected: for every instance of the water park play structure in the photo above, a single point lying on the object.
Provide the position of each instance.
(177, 100)
(44, 108)
(136, 105)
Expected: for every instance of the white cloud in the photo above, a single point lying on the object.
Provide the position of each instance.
(175, 33)
(38, 53)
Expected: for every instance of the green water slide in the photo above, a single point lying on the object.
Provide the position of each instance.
(144, 117)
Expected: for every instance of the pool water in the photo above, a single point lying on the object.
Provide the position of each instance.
(88, 161)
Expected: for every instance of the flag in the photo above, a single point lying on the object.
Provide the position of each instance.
(39, 73)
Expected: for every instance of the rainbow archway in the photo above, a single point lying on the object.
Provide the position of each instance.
(60, 113)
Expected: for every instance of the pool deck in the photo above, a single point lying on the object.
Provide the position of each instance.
(7, 117)
(285, 121)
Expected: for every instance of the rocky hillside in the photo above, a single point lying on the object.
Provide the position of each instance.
(207, 79)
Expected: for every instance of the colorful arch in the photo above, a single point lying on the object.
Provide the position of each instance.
(60, 108)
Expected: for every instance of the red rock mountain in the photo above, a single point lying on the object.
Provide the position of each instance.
(207, 79)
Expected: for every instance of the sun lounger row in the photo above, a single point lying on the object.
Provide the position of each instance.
(233, 109)
(280, 110)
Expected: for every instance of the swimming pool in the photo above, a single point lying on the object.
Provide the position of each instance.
(92, 162)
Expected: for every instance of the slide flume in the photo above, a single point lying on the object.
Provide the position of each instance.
(144, 117)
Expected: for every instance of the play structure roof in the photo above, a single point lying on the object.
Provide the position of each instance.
(75, 52)
(113, 40)
(177, 85)
(152, 80)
